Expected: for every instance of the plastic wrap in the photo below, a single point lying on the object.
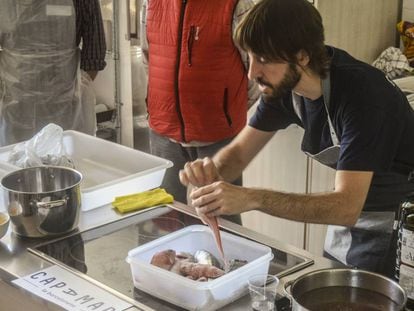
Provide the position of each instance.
(88, 100)
(45, 148)
(39, 70)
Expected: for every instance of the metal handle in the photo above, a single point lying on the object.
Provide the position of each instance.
(52, 204)
(287, 292)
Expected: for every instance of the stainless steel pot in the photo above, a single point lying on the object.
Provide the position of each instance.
(43, 201)
(345, 289)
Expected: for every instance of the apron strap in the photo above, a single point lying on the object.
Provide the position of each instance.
(326, 89)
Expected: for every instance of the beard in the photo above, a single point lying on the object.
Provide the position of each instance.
(288, 83)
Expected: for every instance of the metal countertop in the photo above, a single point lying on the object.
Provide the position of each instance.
(16, 261)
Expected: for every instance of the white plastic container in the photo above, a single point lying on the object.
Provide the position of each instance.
(190, 294)
(108, 169)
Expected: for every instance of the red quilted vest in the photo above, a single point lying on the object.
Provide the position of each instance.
(197, 81)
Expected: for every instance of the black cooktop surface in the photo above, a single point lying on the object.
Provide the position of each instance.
(100, 252)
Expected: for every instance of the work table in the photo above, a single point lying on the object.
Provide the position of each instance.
(16, 261)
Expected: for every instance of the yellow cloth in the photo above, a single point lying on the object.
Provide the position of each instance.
(132, 202)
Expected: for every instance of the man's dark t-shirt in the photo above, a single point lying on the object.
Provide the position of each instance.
(372, 119)
(375, 127)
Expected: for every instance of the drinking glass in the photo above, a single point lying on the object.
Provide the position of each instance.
(262, 289)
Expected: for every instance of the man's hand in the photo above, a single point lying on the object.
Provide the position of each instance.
(219, 198)
(199, 173)
(92, 74)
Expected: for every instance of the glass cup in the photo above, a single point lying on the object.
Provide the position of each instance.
(262, 288)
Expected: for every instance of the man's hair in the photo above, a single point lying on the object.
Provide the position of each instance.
(278, 29)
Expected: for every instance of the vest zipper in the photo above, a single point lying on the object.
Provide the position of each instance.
(226, 108)
(177, 69)
(193, 36)
(190, 41)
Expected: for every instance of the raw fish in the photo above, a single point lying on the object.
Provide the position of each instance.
(185, 256)
(235, 264)
(197, 270)
(204, 257)
(168, 260)
(164, 259)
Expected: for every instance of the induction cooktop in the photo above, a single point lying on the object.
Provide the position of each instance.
(100, 253)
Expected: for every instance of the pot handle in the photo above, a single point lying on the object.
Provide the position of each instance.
(286, 291)
(52, 204)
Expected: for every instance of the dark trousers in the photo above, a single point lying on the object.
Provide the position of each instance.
(165, 148)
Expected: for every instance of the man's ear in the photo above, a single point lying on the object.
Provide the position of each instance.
(303, 58)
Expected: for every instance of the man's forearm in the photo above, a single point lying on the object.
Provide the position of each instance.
(229, 165)
(321, 208)
(92, 74)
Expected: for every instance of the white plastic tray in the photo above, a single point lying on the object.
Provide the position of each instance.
(108, 169)
(194, 295)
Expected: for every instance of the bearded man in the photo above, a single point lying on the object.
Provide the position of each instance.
(354, 120)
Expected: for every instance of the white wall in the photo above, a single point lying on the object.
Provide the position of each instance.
(408, 10)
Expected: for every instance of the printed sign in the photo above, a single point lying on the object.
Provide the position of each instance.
(70, 291)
